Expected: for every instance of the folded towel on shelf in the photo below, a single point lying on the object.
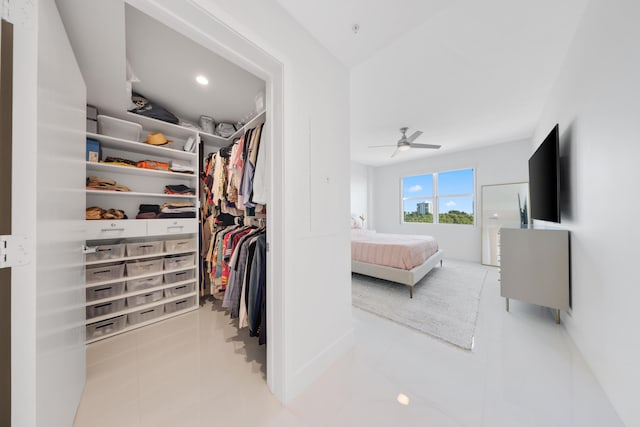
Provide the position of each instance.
(177, 215)
(95, 212)
(181, 166)
(173, 205)
(175, 210)
(153, 165)
(114, 214)
(118, 161)
(104, 184)
(178, 208)
(179, 189)
(147, 215)
(143, 208)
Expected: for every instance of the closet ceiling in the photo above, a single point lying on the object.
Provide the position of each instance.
(167, 64)
(467, 73)
(104, 34)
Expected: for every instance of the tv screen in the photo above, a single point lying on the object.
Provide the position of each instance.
(544, 179)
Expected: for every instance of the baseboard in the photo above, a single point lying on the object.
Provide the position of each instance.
(313, 369)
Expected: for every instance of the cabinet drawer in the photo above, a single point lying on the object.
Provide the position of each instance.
(158, 227)
(105, 229)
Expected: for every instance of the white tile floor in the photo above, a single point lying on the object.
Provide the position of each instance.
(197, 370)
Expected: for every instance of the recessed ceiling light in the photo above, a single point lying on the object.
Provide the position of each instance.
(403, 399)
(202, 80)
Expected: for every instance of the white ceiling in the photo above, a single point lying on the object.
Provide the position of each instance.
(167, 63)
(380, 22)
(104, 34)
(467, 73)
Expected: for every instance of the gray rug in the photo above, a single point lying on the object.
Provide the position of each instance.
(445, 302)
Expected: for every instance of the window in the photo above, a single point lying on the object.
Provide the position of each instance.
(441, 197)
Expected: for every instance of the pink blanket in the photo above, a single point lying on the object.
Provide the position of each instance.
(393, 250)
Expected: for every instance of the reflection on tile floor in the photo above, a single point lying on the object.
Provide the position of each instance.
(199, 370)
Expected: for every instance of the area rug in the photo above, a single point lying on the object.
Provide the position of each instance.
(445, 302)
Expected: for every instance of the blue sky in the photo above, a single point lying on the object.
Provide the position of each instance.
(449, 183)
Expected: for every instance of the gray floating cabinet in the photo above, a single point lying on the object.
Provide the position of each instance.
(535, 267)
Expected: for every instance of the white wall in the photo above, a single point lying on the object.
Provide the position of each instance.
(494, 164)
(24, 15)
(360, 189)
(316, 276)
(596, 103)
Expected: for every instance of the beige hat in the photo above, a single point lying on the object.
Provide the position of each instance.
(157, 139)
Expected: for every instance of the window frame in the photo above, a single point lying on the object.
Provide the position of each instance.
(435, 198)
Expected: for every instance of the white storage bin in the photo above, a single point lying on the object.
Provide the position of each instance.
(144, 298)
(105, 308)
(105, 291)
(178, 276)
(104, 272)
(105, 252)
(179, 245)
(183, 261)
(119, 128)
(181, 304)
(146, 314)
(138, 268)
(105, 327)
(144, 248)
(144, 283)
(179, 290)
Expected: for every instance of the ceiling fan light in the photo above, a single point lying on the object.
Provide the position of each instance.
(404, 147)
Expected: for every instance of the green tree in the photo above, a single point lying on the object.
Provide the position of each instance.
(455, 217)
(416, 217)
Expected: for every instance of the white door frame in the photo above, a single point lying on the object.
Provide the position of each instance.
(200, 25)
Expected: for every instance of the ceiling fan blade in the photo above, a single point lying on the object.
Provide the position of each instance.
(414, 136)
(425, 146)
(394, 153)
(380, 146)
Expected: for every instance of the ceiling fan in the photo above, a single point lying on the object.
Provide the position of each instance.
(405, 143)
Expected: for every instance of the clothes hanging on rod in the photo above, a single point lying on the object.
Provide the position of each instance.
(228, 178)
(234, 241)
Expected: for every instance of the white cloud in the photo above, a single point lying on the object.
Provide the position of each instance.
(415, 188)
(450, 204)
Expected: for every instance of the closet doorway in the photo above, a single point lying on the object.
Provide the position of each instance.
(207, 31)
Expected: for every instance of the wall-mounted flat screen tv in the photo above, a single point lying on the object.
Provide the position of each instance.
(544, 179)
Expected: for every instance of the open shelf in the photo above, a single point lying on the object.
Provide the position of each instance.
(138, 194)
(141, 148)
(219, 141)
(150, 186)
(154, 125)
(105, 167)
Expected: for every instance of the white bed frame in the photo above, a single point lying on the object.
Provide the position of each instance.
(405, 277)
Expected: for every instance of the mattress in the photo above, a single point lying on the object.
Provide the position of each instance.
(401, 251)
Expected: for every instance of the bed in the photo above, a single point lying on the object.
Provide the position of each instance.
(399, 258)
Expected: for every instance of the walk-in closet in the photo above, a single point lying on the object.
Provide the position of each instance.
(176, 178)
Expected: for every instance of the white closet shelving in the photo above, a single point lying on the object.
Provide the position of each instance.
(129, 297)
(218, 141)
(147, 186)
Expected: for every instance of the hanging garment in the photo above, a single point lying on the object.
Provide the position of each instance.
(256, 285)
(260, 179)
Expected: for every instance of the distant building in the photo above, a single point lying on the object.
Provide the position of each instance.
(424, 208)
